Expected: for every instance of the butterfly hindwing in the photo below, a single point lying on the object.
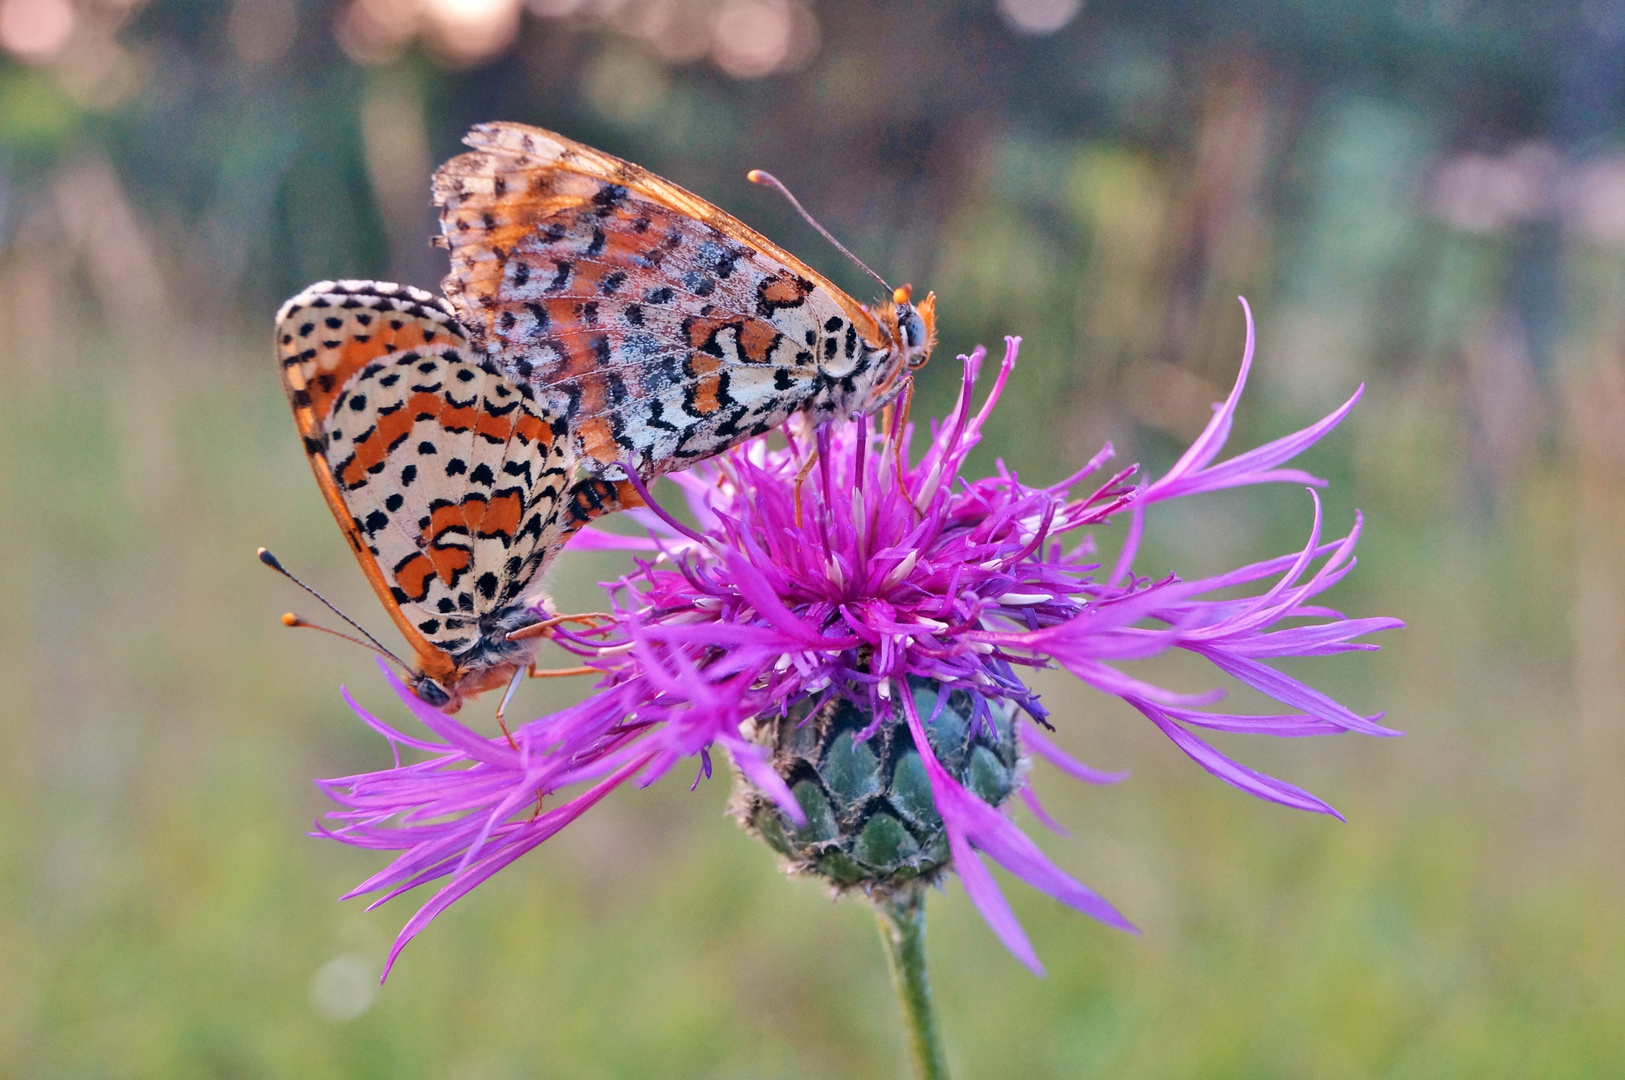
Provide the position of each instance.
(448, 479)
(335, 328)
(454, 484)
(662, 329)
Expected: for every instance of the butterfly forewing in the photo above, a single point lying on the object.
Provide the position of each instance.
(662, 329)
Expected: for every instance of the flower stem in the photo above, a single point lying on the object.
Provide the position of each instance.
(902, 928)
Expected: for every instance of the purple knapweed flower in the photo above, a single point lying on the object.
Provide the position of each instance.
(861, 580)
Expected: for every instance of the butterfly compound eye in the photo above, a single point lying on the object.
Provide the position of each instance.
(431, 692)
(911, 326)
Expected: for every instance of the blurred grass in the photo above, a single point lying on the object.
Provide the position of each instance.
(162, 912)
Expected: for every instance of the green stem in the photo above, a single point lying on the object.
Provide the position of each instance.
(902, 928)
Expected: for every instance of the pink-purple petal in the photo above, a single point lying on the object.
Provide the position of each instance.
(1231, 772)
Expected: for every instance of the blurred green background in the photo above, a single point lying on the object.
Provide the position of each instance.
(1424, 195)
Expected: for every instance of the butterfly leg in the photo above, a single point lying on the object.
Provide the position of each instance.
(801, 476)
(534, 672)
(895, 425)
(513, 684)
(513, 745)
(544, 628)
(559, 673)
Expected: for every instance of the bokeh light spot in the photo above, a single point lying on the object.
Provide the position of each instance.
(753, 37)
(625, 85)
(35, 30)
(344, 987)
(1039, 16)
(466, 32)
(377, 31)
(678, 29)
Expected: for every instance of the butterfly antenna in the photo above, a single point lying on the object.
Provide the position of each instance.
(291, 619)
(757, 176)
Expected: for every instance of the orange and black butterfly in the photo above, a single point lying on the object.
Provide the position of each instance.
(597, 318)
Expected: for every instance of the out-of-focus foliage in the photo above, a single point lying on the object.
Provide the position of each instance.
(1426, 195)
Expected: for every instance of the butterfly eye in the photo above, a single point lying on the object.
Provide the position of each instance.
(911, 326)
(431, 692)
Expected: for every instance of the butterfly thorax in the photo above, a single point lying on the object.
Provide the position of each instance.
(487, 664)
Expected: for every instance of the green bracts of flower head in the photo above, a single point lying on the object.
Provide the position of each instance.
(871, 821)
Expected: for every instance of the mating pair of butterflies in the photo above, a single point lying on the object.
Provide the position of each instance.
(597, 319)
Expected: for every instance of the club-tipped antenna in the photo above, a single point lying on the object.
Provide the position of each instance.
(298, 621)
(757, 176)
(291, 619)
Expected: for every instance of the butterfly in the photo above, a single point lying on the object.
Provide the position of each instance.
(597, 319)
(662, 329)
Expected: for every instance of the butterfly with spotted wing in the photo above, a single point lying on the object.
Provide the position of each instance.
(662, 329)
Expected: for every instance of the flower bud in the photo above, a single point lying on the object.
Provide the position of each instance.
(871, 820)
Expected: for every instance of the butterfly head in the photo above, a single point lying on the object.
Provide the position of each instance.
(448, 694)
(905, 332)
(916, 327)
